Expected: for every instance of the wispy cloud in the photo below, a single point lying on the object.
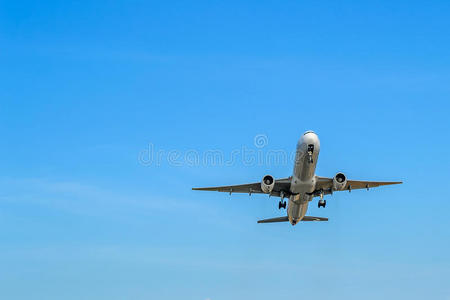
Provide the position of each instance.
(82, 198)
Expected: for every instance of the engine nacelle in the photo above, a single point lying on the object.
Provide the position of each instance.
(339, 182)
(267, 184)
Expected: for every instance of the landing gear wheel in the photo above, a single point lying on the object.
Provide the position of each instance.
(322, 203)
(281, 204)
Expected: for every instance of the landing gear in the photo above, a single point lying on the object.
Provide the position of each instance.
(310, 153)
(282, 203)
(322, 203)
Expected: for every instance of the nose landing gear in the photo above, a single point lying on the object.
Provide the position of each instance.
(310, 153)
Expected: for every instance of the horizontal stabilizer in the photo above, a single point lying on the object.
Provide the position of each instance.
(310, 218)
(275, 220)
(286, 219)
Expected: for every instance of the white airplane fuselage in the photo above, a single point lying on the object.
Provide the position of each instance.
(303, 180)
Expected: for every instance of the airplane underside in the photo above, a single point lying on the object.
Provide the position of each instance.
(302, 186)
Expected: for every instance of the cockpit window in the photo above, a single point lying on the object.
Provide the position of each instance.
(309, 131)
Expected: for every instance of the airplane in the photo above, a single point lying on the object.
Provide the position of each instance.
(302, 186)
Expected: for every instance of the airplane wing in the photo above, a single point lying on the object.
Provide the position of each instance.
(326, 184)
(282, 184)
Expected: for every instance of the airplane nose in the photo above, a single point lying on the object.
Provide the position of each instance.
(309, 137)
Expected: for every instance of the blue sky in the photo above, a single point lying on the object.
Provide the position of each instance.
(87, 88)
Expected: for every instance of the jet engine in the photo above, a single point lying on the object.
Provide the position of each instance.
(267, 184)
(339, 182)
